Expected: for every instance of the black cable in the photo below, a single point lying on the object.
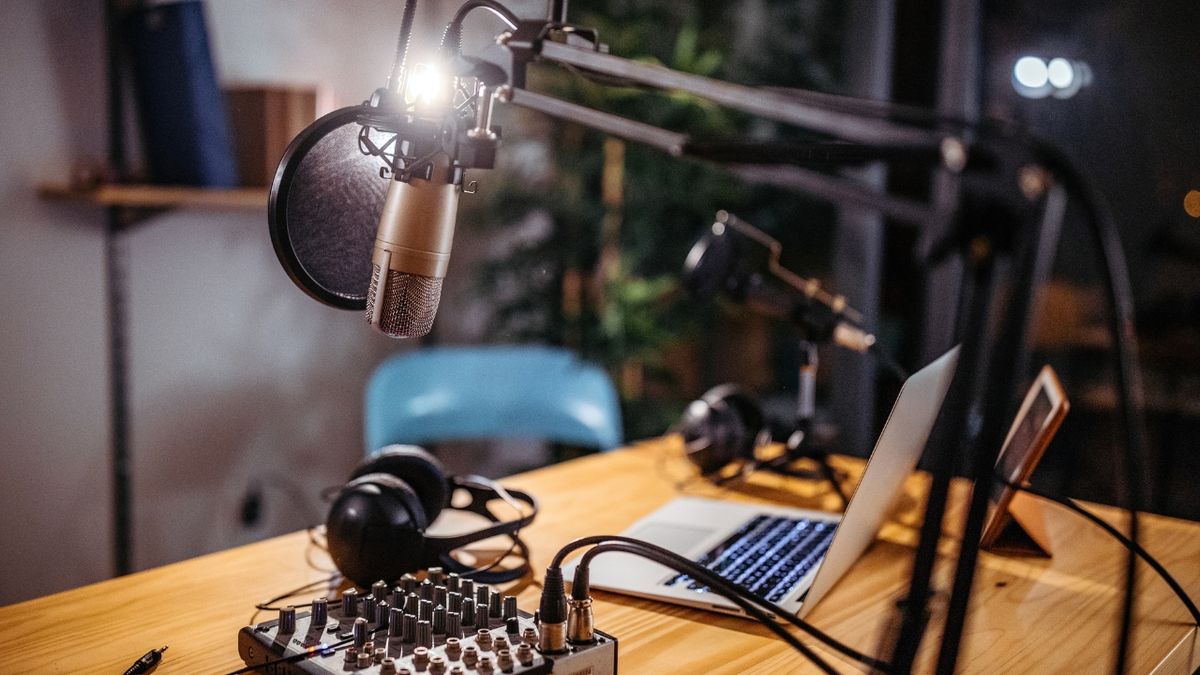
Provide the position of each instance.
(719, 585)
(268, 606)
(452, 37)
(1116, 534)
(506, 15)
(770, 606)
(1129, 382)
(398, 62)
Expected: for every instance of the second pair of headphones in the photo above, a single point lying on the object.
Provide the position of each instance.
(376, 528)
(723, 427)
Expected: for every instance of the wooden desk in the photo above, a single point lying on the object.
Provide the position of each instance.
(1029, 615)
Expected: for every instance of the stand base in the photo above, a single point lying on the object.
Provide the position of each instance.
(1023, 532)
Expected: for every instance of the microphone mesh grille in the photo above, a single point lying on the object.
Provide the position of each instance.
(410, 302)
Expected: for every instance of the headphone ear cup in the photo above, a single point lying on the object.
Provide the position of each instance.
(375, 529)
(416, 467)
(720, 427)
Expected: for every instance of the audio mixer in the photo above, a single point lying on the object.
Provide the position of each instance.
(442, 625)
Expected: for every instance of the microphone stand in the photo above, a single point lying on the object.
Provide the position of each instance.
(800, 443)
(1005, 218)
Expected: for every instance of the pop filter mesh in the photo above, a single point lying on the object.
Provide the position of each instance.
(326, 203)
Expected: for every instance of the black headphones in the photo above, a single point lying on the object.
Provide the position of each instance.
(724, 426)
(377, 521)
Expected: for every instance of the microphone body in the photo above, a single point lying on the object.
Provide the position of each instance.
(412, 252)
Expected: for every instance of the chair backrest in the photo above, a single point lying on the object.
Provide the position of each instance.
(456, 393)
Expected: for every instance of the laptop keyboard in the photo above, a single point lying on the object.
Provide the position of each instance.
(768, 555)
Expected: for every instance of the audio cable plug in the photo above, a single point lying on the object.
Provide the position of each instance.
(580, 620)
(552, 638)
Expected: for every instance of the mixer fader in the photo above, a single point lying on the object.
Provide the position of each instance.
(441, 625)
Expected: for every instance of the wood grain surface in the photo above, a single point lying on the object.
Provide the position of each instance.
(1054, 615)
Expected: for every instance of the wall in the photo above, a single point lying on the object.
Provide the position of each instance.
(53, 402)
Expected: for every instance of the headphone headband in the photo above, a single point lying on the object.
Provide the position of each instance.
(378, 523)
(483, 490)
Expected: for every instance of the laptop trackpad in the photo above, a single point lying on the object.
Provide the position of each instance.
(675, 538)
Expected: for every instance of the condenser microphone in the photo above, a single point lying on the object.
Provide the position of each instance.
(412, 251)
(742, 261)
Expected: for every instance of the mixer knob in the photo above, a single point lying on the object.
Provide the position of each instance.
(525, 654)
(408, 632)
(350, 603)
(425, 590)
(395, 622)
(481, 616)
(495, 608)
(439, 620)
(319, 614)
(421, 658)
(367, 608)
(512, 626)
(510, 607)
(454, 601)
(424, 634)
(412, 604)
(425, 611)
(483, 638)
(468, 612)
(467, 587)
(287, 619)
(379, 589)
(440, 596)
(382, 615)
(359, 632)
(408, 583)
(453, 582)
(481, 594)
(437, 574)
(453, 625)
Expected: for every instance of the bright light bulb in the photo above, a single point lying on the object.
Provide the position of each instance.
(1060, 73)
(1032, 72)
(424, 85)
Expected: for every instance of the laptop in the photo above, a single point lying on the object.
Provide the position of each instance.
(790, 556)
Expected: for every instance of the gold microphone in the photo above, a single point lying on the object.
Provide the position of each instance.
(412, 251)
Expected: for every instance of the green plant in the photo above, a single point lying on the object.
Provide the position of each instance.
(604, 278)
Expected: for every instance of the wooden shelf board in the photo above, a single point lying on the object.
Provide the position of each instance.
(160, 196)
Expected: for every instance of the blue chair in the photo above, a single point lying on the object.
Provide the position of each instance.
(459, 393)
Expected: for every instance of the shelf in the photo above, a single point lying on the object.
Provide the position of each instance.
(160, 196)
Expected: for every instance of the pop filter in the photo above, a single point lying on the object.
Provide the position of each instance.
(324, 209)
